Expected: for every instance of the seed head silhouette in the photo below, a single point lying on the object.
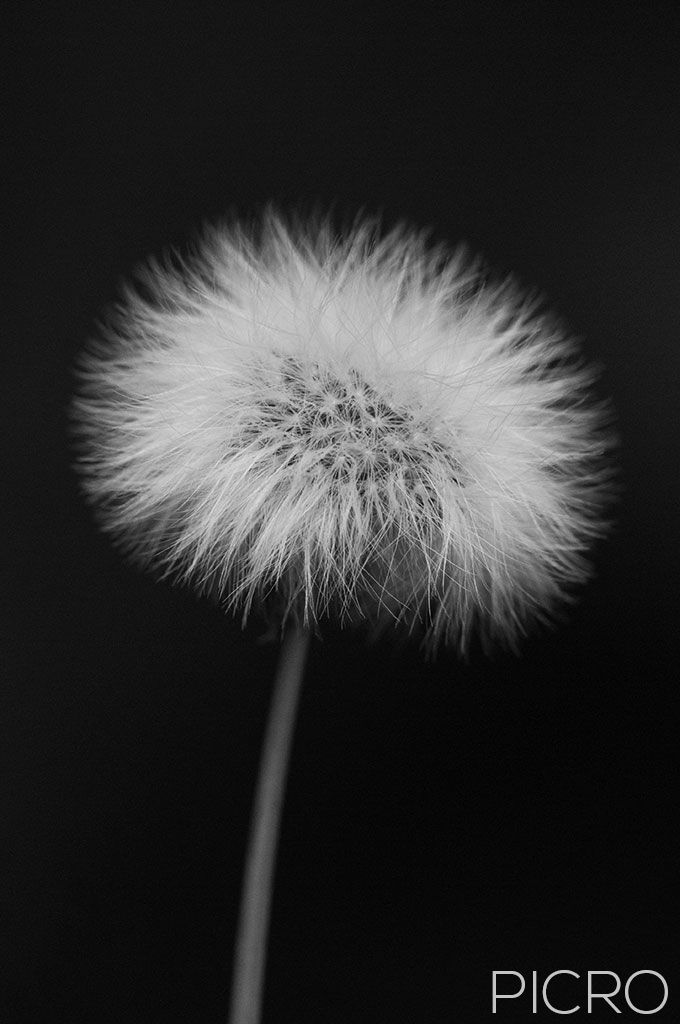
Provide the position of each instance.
(356, 425)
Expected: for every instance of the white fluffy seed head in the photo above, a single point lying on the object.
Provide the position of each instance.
(356, 425)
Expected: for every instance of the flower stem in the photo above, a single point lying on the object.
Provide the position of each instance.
(251, 938)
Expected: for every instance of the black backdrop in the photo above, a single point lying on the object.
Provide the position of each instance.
(444, 820)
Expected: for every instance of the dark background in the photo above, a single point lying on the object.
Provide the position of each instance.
(444, 820)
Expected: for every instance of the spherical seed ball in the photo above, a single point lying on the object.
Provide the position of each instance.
(356, 425)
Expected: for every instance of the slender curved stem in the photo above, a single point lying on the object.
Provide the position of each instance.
(251, 938)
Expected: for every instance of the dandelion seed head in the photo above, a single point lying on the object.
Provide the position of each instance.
(354, 425)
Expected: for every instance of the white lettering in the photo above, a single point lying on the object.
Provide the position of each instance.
(602, 995)
(636, 1009)
(498, 995)
(611, 987)
(545, 992)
